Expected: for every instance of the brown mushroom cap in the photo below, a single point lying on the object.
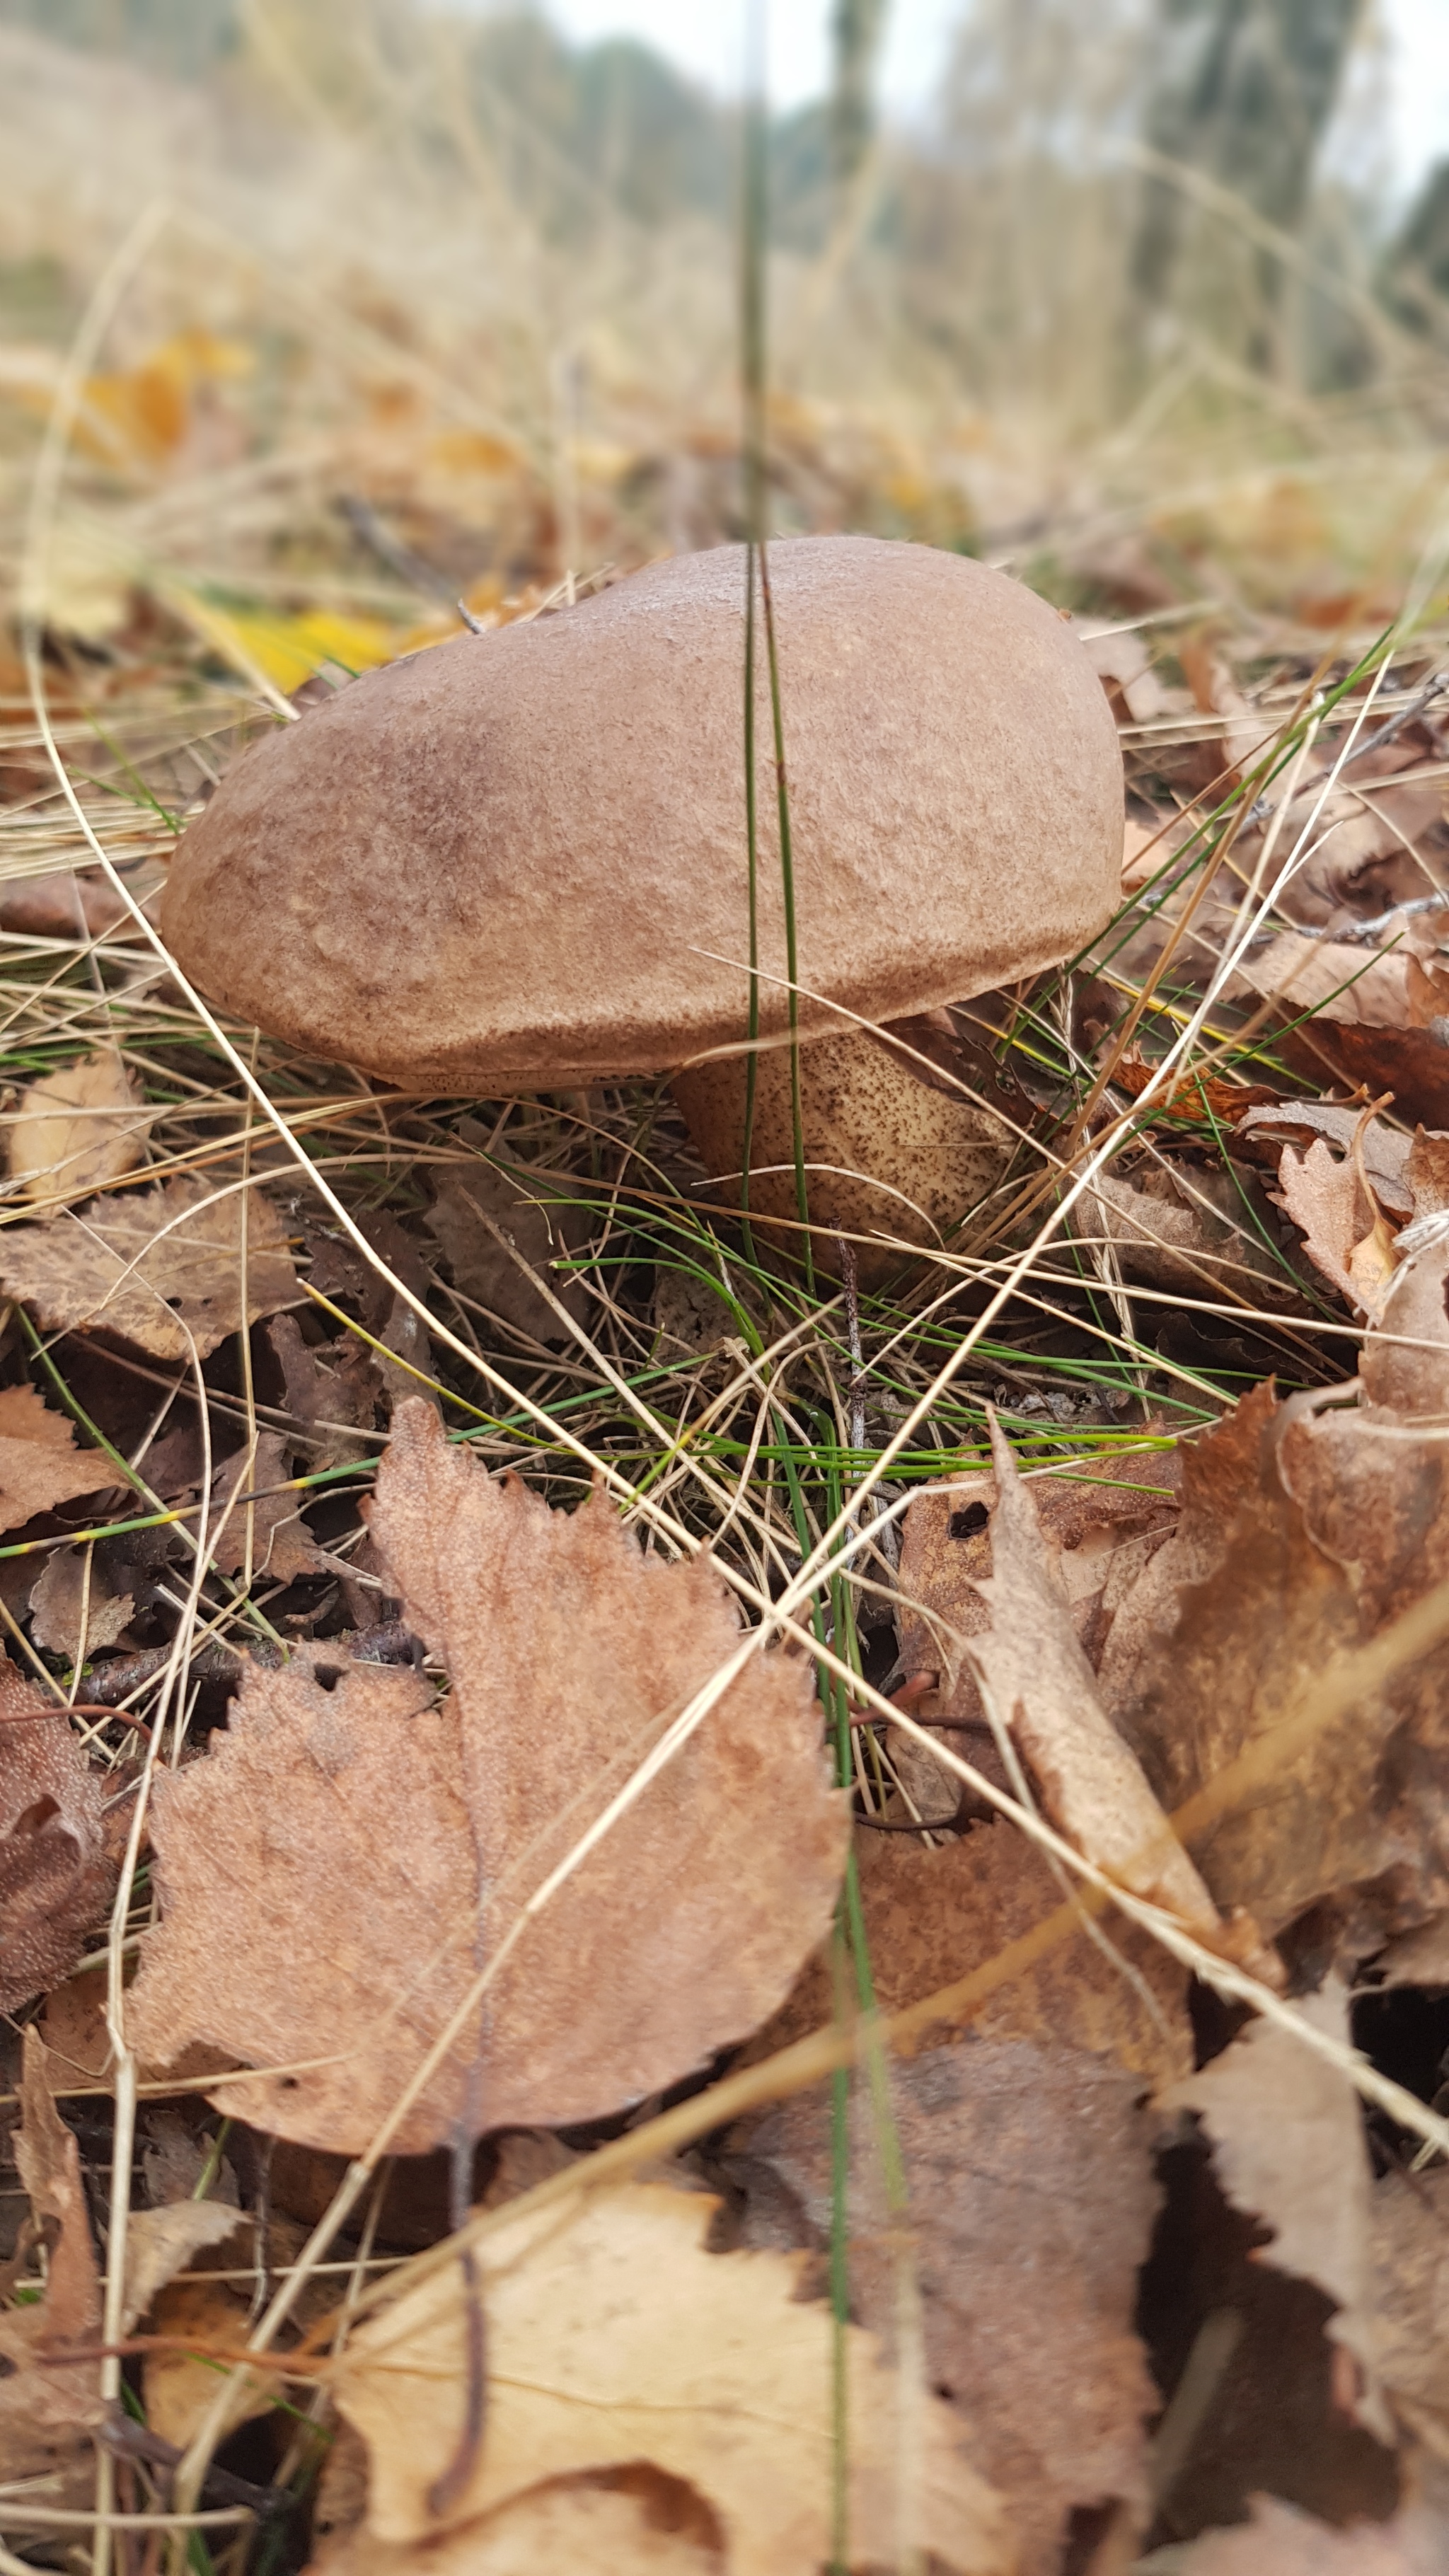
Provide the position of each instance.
(518, 861)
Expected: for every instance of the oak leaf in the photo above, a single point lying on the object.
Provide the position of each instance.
(56, 1875)
(1032, 2209)
(75, 1131)
(50, 2403)
(385, 1849)
(40, 1464)
(614, 2337)
(162, 1268)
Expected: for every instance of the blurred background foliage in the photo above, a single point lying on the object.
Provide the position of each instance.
(442, 304)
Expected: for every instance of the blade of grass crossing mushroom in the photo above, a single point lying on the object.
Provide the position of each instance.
(752, 355)
(754, 284)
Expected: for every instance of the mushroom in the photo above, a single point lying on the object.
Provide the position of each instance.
(518, 862)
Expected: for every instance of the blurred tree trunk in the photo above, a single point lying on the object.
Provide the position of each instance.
(1242, 91)
(856, 30)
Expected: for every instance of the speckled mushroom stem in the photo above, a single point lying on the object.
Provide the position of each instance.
(890, 1160)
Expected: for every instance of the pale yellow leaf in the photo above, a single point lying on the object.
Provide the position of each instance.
(75, 1131)
(614, 2337)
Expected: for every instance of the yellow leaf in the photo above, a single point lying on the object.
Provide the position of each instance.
(613, 2337)
(75, 1131)
(287, 650)
(472, 451)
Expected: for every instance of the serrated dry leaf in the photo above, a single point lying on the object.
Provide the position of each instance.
(613, 2337)
(56, 1878)
(1306, 1527)
(1032, 2203)
(1030, 1664)
(1322, 1195)
(931, 1915)
(1280, 2541)
(49, 2404)
(384, 1851)
(532, 1211)
(74, 1607)
(40, 1464)
(1386, 1150)
(1288, 2146)
(75, 1131)
(625, 2522)
(161, 1268)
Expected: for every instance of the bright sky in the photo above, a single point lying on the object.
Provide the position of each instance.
(706, 39)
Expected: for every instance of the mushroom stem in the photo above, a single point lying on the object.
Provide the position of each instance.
(886, 1153)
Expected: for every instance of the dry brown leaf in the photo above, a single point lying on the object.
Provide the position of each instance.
(532, 1211)
(74, 1607)
(331, 1403)
(1288, 2145)
(77, 1130)
(1410, 2324)
(282, 1546)
(162, 2242)
(1189, 1232)
(1386, 1150)
(384, 1852)
(399, 1346)
(624, 2522)
(40, 1464)
(1104, 1516)
(613, 2337)
(1280, 2541)
(56, 1877)
(180, 2386)
(1305, 1529)
(62, 904)
(1032, 2207)
(72, 2023)
(1371, 1019)
(930, 1916)
(161, 1268)
(49, 2404)
(1322, 1195)
(1029, 1664)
